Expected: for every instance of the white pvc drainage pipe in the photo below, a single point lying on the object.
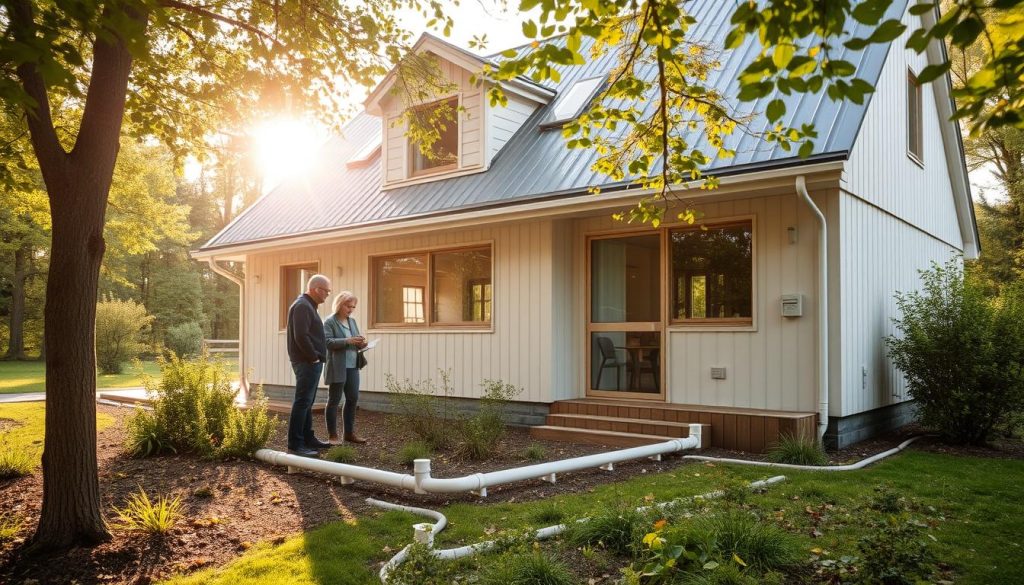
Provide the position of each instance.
(858, 465)
(421, 481)
(425, 532)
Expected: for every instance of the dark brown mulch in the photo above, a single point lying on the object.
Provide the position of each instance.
(230, 505)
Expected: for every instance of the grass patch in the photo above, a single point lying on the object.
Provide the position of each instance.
(27, 436)
(10, 525)
(155, 516)
(972, 503)
(798, 450)
(535, 452)
(412, 451)
(341, 454)
(17, 377)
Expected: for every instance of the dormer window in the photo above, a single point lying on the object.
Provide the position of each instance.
(571, 105)
(365, 154)
(442, 116)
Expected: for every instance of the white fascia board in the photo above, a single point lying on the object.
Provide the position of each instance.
(815, 173)
(953, 147)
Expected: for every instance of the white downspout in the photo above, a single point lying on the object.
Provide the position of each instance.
(243, 383)
(801, 189)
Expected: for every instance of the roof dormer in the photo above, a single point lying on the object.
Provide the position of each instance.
(471, 131)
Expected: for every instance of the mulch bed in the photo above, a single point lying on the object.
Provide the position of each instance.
(230, 505)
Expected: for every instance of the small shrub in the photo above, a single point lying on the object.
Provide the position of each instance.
(248, 430)
(895, 554)
(422, 568)
(341, 454)
(119, 326)
(152, 517)
(10, 526)
(798, 450)
(16, 462)
(531, 568)
(961, 353)
(185, 339)
(192, 403)
(618, 530)
(414, 450)
(426, 409)
(887, 500)
(479, 434)
(535, 452)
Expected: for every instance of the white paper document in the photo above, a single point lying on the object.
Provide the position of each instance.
(370, 344)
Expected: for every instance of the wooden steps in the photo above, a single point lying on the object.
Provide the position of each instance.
(637, 422)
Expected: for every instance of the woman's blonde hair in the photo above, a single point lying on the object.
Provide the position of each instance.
(339, 300)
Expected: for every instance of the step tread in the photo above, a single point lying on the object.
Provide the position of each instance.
(635, 403)
(619, 419)
(571, 434)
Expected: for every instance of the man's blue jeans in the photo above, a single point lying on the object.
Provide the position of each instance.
(300, 423)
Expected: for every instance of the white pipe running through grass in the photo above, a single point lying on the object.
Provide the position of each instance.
(421, 481)
(425, 532)
(858, 465)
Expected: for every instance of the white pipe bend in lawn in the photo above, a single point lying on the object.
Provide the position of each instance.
(421, 481)
(424, 532)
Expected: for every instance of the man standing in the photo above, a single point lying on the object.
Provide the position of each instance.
(307, 350)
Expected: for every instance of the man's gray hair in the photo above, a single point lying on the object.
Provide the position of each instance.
(318, 280)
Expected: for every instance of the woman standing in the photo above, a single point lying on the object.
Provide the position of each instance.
(342, 374)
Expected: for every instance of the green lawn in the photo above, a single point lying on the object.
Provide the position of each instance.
(28, 434)
(975, 503)
(17, 377)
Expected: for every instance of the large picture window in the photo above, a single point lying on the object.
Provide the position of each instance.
(293, 284)
(712, 274)
(442, 116)
(454, 284)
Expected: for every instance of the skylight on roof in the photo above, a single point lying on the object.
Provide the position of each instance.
(364, 154)
(572, 103)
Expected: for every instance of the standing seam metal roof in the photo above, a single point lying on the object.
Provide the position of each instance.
(535, 163)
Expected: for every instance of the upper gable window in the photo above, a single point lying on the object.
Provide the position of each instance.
(572, 103)
(915, 131)
(442, 115)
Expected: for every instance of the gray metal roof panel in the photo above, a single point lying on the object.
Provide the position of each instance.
(535, 163)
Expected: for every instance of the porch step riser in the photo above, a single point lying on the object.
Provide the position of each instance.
(618, 425)
(645, 413)
(593, 437)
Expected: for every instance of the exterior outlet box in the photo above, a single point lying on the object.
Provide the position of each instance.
(793, 305)
(717, 373)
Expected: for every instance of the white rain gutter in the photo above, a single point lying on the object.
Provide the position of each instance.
(243, 383)
(801, 189)
(425, 532)
(858, 465)
(421, 481)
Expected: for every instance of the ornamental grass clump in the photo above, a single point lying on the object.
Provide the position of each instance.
(526, 568)
(798, 450)
(414, 450)
(16, 462)
(155, 517)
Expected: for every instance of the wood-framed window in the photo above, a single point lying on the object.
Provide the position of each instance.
(915, 119)
(455, 284)
(293, 283)
(443, 116)
(711, 279)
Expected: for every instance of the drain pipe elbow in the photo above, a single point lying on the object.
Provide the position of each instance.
(823, 370)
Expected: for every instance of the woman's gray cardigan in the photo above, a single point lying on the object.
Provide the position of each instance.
(335, 373)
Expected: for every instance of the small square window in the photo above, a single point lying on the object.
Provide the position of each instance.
(444, 152)
(915, 131)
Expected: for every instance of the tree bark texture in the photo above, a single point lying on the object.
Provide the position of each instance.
(22, 271)
(77, 184)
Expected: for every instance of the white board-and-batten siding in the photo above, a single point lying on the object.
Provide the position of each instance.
(504, 121)
(517, 349)
(898, 216)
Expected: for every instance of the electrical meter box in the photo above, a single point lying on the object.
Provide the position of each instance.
(792, 305)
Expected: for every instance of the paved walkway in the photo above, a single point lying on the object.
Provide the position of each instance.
(125, 394)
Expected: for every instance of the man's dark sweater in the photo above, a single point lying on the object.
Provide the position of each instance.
(306, 340)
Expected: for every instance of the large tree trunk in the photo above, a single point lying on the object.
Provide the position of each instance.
(16, 343)
(77, 184)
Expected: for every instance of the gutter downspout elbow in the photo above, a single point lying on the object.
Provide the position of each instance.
(243, 383)
(801, 190)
